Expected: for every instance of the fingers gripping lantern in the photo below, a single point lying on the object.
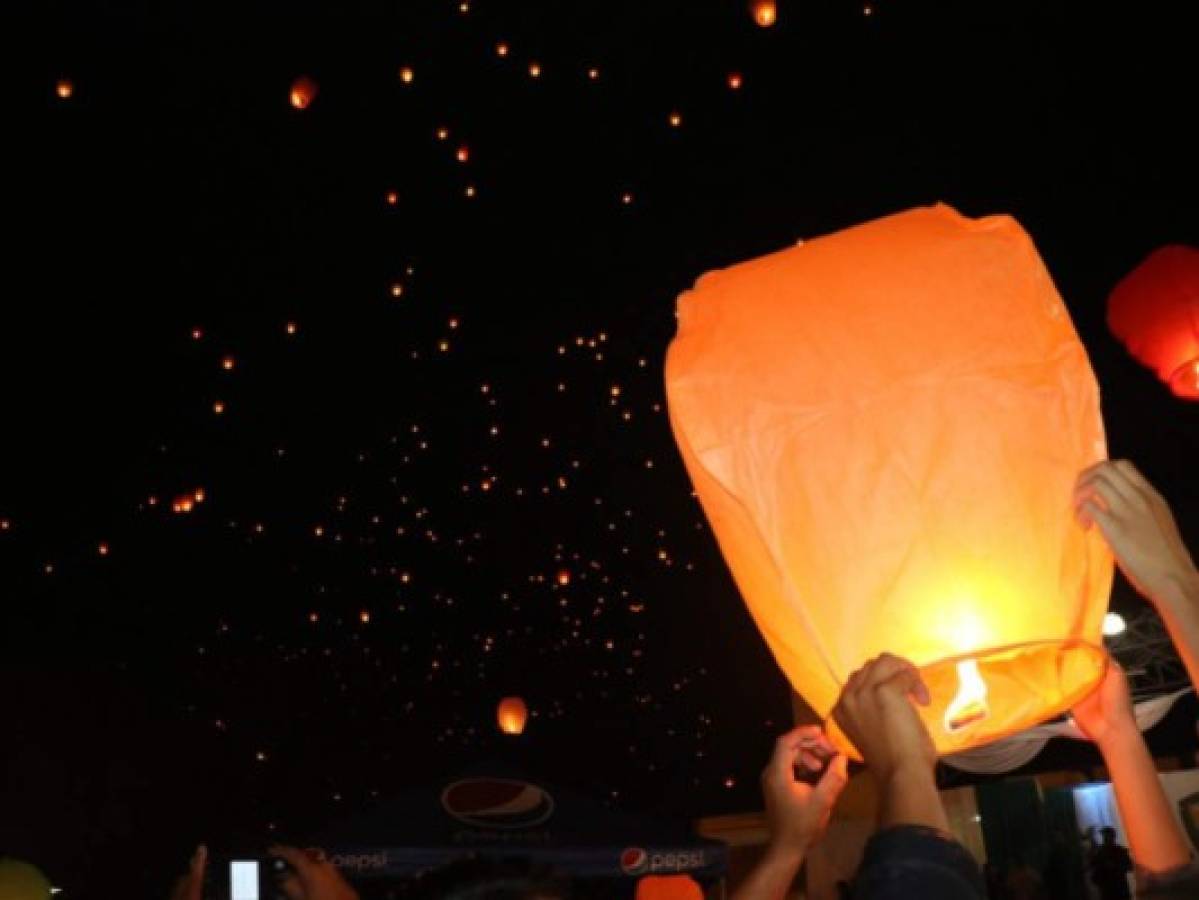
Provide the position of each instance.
(884, 427)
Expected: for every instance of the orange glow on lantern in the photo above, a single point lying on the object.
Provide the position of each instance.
(511, 715)
(1154, 311)
(884, 427)
(765, 12)
(534, 70)
(303, 92)
(407, 74)
(734, 81)
(65, 88)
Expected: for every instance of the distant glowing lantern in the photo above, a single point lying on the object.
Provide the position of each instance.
(735, 81)
(675, 119)
(765, 12)
(511, 715)
(501, 49)
(534, 70)
(463, 154)
(564, 577)
(303, 92)
(1154, 311)
(884, 427)
(65, 88)
(407, 74)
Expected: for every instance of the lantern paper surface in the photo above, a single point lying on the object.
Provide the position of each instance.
(1154, 311)
(884, 427)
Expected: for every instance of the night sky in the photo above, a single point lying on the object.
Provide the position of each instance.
(326, 428)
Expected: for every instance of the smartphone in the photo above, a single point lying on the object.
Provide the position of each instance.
(244, 883)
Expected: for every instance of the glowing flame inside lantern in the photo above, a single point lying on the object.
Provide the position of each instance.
(969, 705)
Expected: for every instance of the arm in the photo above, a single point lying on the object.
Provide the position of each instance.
(1178, 605)
(911, 798)
(1106, 716)
(913, 854)
(797, 811)
(1138, 525)
(191, 885)
(876, 713)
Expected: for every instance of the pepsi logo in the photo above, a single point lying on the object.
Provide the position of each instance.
(634, 861)
(497, 803)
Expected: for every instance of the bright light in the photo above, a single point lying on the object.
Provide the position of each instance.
(1113, 624)
(970, 704)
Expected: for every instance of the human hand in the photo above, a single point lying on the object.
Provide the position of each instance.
(876, 712)
(796, 810)
(1107, 711)
(191, 885)
(312, 876)
(1138, 526)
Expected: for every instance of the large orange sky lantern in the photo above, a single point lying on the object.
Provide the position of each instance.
(1154, 311)
(884, 427)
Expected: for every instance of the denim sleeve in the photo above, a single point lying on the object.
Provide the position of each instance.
(912, 861)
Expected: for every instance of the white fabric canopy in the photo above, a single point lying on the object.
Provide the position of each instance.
(1013, 752)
